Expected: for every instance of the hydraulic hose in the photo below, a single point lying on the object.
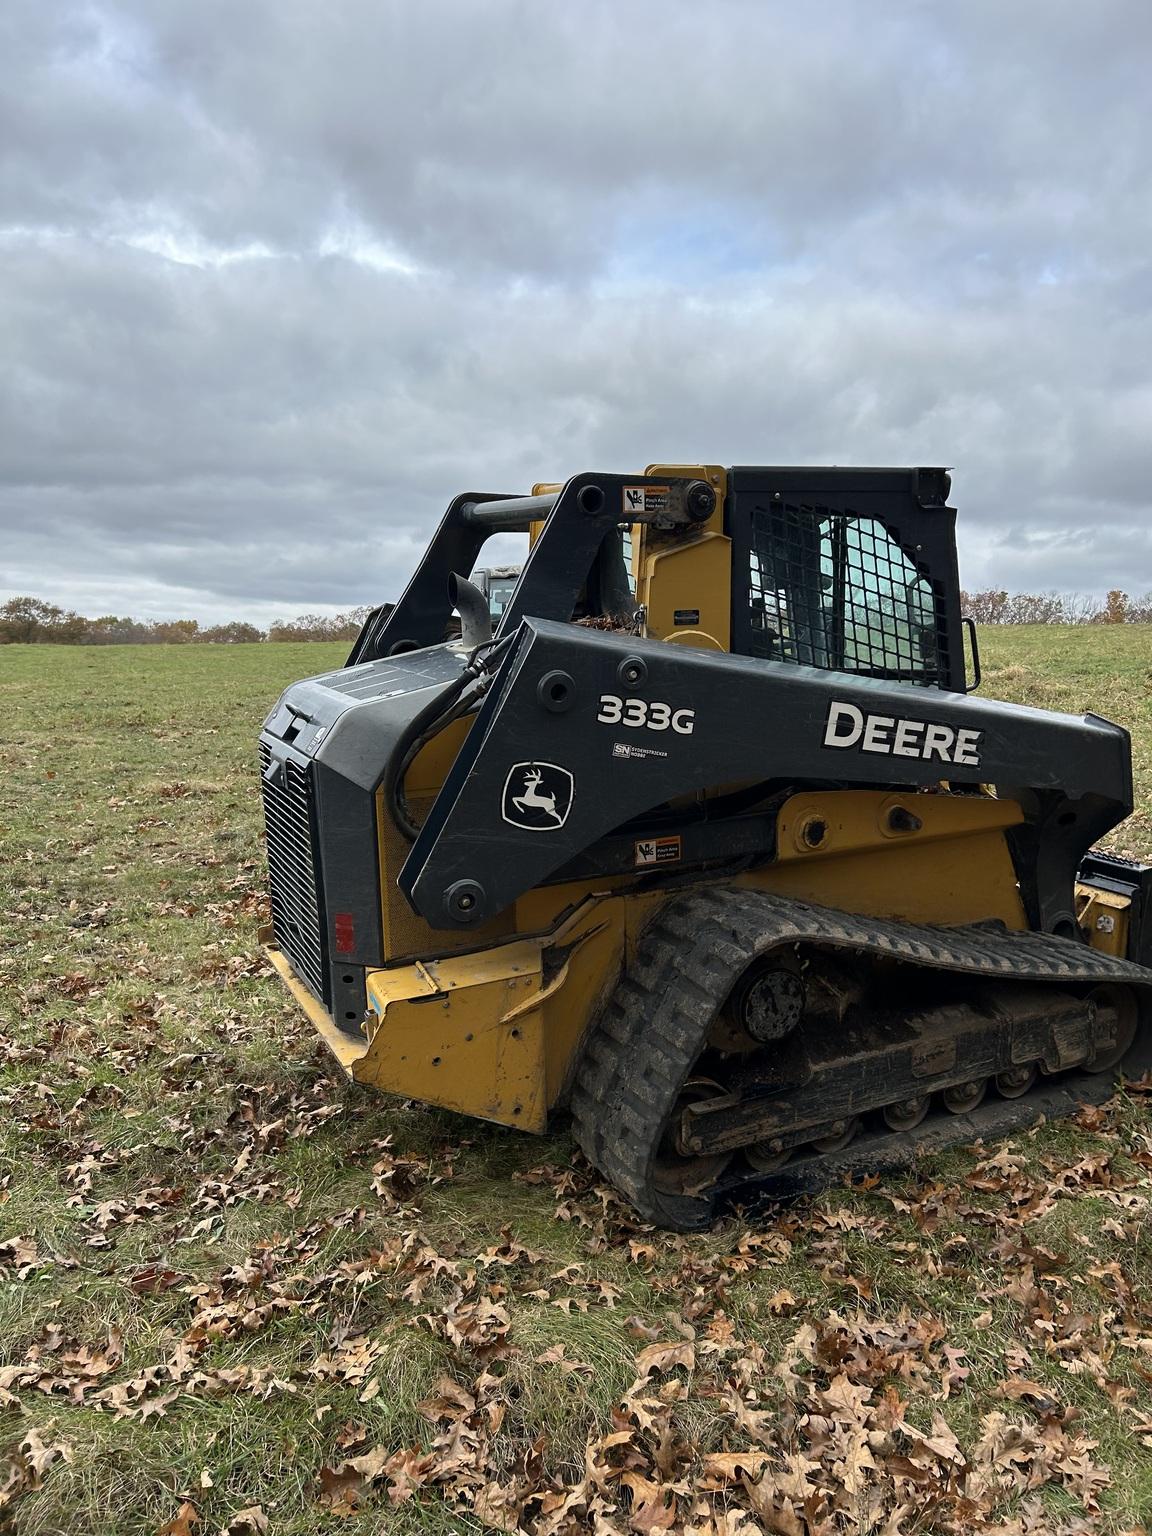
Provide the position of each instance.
(454, 700)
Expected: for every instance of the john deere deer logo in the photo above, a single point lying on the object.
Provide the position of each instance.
(537, 796)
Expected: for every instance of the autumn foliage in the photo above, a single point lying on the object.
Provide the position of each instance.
(31, 621)
(999, 607)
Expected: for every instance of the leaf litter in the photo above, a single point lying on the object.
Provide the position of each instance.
(970, 1352)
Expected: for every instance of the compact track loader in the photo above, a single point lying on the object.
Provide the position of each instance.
(709, 842)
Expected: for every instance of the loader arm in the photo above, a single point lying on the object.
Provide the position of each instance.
(573, 549)
(609, 727)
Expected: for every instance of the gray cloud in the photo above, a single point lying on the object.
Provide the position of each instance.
(277, 280)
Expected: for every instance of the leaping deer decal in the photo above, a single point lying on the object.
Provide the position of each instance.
(531, 800)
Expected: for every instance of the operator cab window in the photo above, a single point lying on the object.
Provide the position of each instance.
(628, 546)
(500, 589)
(836, 590)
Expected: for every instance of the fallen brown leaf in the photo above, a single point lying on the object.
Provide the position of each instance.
(1017, 1389)
(666, 1357)
(182, 1521)
(251, 1521)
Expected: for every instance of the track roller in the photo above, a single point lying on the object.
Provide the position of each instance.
(840, 1133)
(907, 1115)
(673, 1171)
(1016, 1081)
(964, 1097)
(767, 1156)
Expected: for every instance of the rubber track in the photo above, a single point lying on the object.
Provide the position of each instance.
(657, 1021)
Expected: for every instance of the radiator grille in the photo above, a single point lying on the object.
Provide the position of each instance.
(297, 918)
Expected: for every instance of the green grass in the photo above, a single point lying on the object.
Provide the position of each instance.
(1103, 669)
(216, 1292)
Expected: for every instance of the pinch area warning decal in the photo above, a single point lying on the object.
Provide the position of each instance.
(657, 850)
(645, 498)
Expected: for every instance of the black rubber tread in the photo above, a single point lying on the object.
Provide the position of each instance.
(656, 1023)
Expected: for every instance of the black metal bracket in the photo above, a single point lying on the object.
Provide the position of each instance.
(970, 626)
(576, 521)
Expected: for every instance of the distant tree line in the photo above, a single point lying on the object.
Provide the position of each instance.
(31, 621)
(998, 607)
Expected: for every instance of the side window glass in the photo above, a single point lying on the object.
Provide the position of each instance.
(628, 546)
(835, 590)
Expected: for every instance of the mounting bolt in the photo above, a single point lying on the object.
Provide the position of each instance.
(632, 671)
(464, 901)
(699, 501)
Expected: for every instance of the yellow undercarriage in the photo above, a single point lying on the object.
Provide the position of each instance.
(494, 1032)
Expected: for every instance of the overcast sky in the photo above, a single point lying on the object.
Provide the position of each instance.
(277, 278)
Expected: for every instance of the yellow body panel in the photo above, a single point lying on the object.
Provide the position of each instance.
(675, 574)
(456, 1032)
(493, 1033)
(693, 578)
(954, 868)
(1103, 918)
(407, 935)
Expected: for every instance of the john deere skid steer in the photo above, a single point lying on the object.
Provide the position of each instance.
(709, 842)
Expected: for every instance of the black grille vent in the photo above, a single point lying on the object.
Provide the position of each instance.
(297, 919)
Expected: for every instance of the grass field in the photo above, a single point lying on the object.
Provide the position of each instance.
(237, 1295)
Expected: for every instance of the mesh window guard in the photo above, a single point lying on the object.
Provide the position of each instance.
(835, 590)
